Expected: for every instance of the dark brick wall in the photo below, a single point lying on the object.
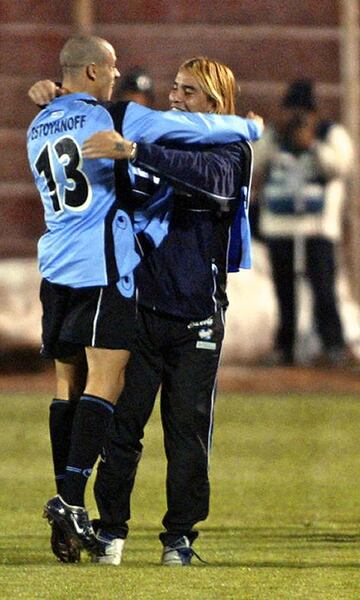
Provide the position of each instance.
(267, 43)
(220, 12)
(36, 11)
(217, 12)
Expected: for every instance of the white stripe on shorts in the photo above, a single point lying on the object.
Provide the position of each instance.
(93, 339)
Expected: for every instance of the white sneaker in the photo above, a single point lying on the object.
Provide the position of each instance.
(178, 553)
(112, 547)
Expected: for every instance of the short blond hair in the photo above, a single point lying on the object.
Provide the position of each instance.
(82, 50)
(216, 80)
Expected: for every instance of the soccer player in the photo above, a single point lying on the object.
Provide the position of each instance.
(181, 315)
(87, 257)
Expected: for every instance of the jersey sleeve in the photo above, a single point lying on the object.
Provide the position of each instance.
(215, 172)
(142, 124)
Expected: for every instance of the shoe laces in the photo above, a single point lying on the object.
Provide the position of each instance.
(187, 552)
(190, 552)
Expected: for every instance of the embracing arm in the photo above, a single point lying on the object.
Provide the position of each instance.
(215, 172)
(42, 92)
(142, 124)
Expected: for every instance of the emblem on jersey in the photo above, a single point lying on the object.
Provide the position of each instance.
(126, 285)
(205, 334)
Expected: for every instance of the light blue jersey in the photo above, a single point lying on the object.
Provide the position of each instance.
(78, 195)
(89, 238)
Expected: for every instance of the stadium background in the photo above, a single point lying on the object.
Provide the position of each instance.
(266, 47)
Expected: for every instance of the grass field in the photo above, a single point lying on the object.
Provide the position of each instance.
(285, 511)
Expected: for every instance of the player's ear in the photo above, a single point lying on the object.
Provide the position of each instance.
(91, 71)
(211, 105)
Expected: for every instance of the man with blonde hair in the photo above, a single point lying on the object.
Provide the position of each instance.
(202, 232)
(216, 81)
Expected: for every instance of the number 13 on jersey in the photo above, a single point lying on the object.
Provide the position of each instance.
(59, 164)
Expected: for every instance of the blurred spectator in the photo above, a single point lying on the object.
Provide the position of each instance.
(302, 165)
(135, 85)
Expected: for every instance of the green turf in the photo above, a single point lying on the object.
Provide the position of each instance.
(285, 510)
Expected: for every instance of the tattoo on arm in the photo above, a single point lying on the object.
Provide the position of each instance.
(119, 146)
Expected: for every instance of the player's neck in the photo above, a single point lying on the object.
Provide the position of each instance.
(74, 86)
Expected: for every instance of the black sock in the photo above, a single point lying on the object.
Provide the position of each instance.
(60, 425)
(91, 421)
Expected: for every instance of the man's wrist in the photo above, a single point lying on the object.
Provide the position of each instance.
(127, 150)
(133, 153)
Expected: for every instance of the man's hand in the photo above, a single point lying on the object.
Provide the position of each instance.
(259, 120)
(107, 144)
(42, 92)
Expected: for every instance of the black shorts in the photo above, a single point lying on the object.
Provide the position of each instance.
(75, 318)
